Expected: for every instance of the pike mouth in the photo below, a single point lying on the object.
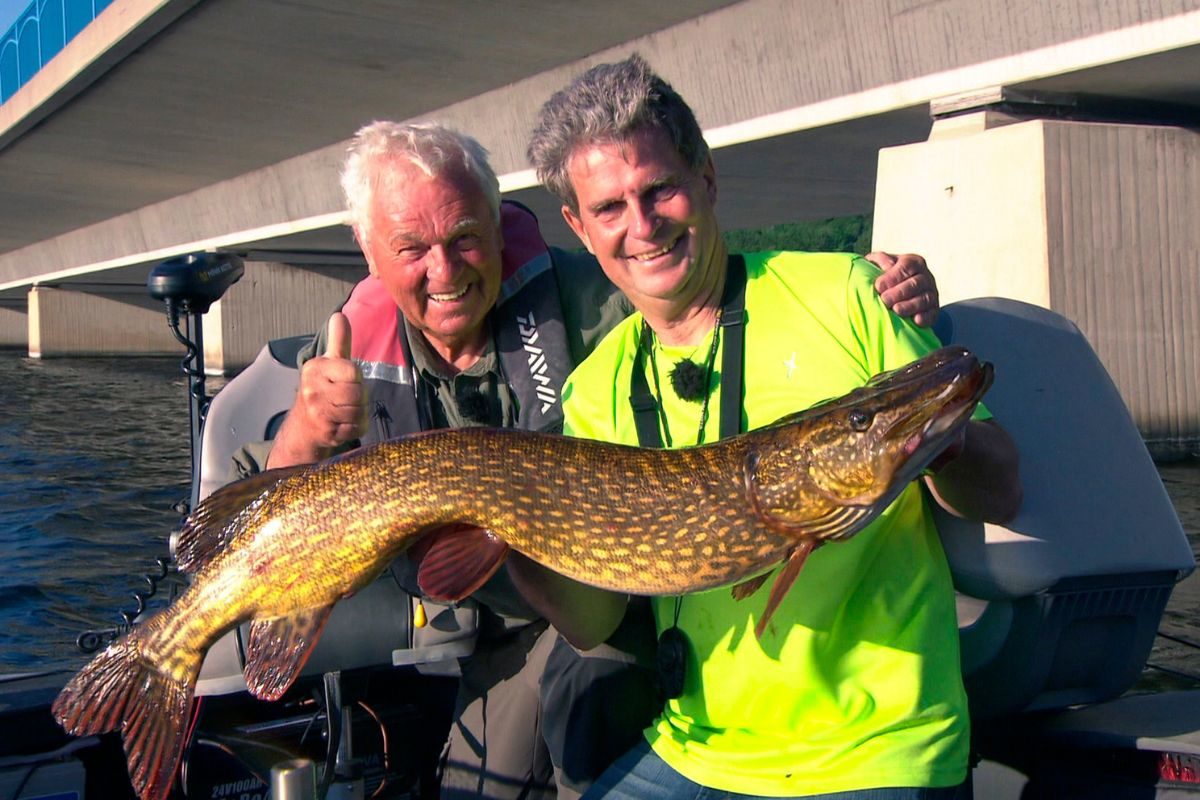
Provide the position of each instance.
(916, 409)
(956, 402)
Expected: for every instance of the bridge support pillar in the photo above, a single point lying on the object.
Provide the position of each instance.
(271, 301)
(62, 322)
(14, 325)
(1095, 221)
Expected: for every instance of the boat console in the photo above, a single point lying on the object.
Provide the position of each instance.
(1061, 606)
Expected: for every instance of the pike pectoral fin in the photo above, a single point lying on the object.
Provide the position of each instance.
(207, 530)
(748, 587)
(458, 560)
(277, 649)
(784, 581)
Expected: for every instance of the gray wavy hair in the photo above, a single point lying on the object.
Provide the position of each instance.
(434, 149)
(608, 104)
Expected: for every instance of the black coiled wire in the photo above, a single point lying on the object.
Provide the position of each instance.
(91, 641)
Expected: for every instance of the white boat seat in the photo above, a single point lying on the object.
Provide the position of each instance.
(1061, 606)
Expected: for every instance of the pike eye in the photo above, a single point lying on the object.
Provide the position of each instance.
(859, 420)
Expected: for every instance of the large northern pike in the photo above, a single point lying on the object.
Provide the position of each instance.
(282, 547)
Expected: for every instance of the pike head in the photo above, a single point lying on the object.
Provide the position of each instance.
(835, 466)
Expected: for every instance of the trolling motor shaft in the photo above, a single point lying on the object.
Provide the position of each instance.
(189, 285)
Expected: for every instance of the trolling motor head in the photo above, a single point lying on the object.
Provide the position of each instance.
(193, 282)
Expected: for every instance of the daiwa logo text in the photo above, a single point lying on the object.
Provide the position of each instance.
(527, 327)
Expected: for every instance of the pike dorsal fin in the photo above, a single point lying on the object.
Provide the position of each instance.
(457, 560)
(212, 526)
(276, 650)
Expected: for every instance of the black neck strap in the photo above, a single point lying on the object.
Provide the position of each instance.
(733, 318)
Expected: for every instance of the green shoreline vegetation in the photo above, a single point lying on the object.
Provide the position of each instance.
(834, 235)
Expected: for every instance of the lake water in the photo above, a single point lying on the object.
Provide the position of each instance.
(94, 458)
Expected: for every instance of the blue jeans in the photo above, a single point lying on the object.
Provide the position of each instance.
(641, 775)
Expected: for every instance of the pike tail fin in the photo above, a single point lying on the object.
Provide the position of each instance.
(121, 690)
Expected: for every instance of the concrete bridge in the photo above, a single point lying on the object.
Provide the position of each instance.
(1045, 151)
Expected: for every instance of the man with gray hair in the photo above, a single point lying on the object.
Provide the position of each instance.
(853, 689)
(436, 337)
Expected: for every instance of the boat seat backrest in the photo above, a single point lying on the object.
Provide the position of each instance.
(249, 408)
(1060, 606)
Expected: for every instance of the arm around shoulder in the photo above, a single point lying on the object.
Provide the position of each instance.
(591, 305)
(982, 482)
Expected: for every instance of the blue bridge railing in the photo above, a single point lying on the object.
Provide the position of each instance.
(39, 33)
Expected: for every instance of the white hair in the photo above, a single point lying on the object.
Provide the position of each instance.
(432, 148)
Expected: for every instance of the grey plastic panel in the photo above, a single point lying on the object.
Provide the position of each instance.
(371, 629)
(1094, 503)
(244, 411)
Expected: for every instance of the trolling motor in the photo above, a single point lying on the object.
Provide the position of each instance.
(189, 285)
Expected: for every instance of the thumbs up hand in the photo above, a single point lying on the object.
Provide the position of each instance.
(331, 403)
(337, 337)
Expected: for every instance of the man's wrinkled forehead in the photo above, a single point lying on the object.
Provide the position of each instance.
(465, 225)
(405, 194)
(623, 145)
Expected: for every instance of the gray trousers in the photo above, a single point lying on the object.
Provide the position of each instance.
(536, 718)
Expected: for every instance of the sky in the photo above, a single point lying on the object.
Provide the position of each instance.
(10, 10)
